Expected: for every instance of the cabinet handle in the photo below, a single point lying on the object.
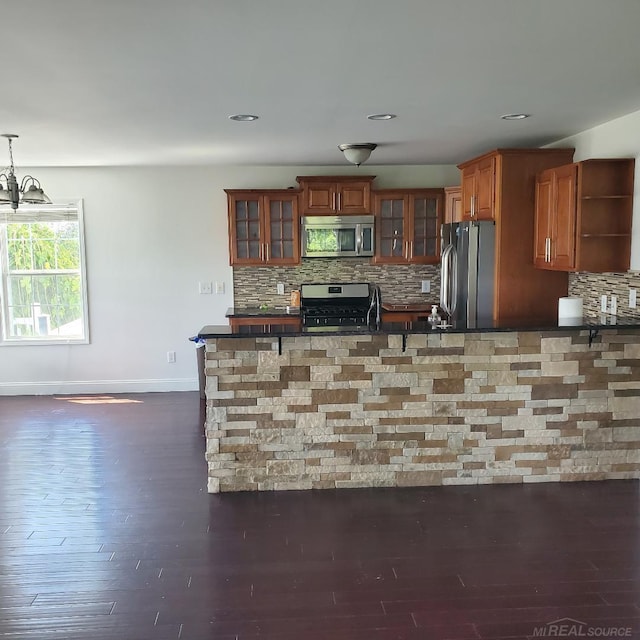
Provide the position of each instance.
(472, 207)
(409, 249)
(547, 250)
(333, 203)
(266, 252)
(339, 202)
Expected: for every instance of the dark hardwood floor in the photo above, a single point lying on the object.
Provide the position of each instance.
(106, 531)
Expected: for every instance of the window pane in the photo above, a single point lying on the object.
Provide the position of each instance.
(42, 296)
(20, 254)
(68, 254)
(44, 253)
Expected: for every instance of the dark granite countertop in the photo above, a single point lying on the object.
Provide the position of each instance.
(422, 326)
(257, 312)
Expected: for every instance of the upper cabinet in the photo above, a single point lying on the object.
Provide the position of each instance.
(332, 195)
(479, 188)
(452, 204)
(583, 216)
(408, 225)
(263, 227)
(503, 183)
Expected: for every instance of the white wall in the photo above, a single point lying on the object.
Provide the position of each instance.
(153, 233)
(618, 138)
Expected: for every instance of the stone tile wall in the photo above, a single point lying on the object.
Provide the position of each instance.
(358, 411)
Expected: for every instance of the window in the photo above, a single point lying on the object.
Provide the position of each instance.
(44, 296)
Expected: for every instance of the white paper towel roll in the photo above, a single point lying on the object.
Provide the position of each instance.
(570, 311)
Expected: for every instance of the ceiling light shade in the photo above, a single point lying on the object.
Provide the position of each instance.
(29, 189)
(357, 153)
(243, 117)
(5, 196)
(34, 194)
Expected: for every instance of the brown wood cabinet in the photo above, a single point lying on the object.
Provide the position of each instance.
(408, 225)
(522, 292)
(554, 240)
(452, 204)
(331, 195)
(479, 188)
(263, 323)
(583, 216)
(263, 227)
(403, 316)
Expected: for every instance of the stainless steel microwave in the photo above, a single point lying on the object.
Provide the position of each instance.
(337, 236)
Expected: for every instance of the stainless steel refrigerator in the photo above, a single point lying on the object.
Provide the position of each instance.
(467, 273)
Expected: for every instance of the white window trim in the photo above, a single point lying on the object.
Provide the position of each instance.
(5, 212)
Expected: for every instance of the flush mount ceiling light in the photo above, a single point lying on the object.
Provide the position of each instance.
(243, 117)
(357, 153)
(382, 116)
(515, 116)
(29, 190)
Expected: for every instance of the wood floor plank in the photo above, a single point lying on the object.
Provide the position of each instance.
(107, 531)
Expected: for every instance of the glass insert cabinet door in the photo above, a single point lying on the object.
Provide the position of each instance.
(263, 227)
(391, 228)
(246, 230)
(426, 227)
(282, 228)
(408, 226)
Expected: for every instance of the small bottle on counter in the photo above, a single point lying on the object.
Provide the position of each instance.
(434, 317)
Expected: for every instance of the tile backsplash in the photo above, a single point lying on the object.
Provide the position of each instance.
(591, 286)
(398, 283)
(253, 286)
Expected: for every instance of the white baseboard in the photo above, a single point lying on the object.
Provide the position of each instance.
(96, 386)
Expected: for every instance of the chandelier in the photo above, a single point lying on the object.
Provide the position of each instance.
(29, 189)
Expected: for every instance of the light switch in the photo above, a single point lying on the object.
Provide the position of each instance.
(426, 286)
(632, 298)
(280, 288)
(205, 287)
(219, 287)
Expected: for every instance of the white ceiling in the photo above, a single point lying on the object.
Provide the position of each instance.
(121, 82)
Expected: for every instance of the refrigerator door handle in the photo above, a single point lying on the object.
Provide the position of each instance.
(472, 276)
(454, 280)
(449, 280)
(445, 279)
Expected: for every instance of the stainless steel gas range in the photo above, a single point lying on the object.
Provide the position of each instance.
(346, 305)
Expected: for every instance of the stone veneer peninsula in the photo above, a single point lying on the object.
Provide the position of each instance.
(384, 409)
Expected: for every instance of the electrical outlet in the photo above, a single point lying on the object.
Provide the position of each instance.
(219, 287)
(426, 286)
(603, 304)
(632, 298)
(613, 306)
(280, 288)
(171, 356)
(205, 287)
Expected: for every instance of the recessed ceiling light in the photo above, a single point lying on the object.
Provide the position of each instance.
(243, 117)
(382, 116)
(515, 116)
